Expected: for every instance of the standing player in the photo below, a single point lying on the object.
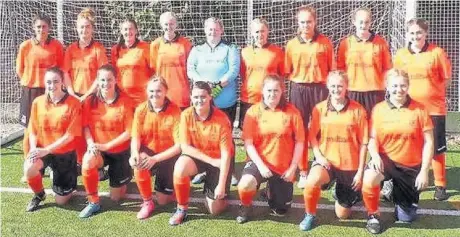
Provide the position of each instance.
(401, 147)
(131, 58)
(429, 71)
(309, 58)
(273, 135)
(155, 145)
(84, 57)
(258, 60)
(81, 61)
(365, 57)
(55, 120)
(206, 144)
(217, 62)
(168, 59)
(34, 57)
(107, 122)
(338, 136)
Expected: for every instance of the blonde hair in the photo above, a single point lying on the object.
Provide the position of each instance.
(308, 9)
(338, 73)
(393, 73)
(353, 14)
(259, 21)
(164, 15)
(214, 20)
(87, 14)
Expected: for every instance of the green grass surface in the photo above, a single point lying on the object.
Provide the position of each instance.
(120, 219)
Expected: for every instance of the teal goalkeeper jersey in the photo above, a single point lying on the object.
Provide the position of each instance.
(216, 64)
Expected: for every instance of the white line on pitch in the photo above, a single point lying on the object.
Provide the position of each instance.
(434, 212)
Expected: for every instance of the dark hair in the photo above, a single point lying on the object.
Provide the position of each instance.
(422, 23)
(202, 85)
(56, 70)
(280, 80)
(42, 17)
(310, 10)
(95, 97)
(121, 40)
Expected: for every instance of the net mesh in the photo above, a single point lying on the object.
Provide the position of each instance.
(333, 16)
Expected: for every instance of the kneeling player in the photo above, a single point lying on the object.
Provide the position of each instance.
(274, 135)
(338, 136)
(155, 145)
(107, 124)
(206, 143)
(401, 147)
(54, 123)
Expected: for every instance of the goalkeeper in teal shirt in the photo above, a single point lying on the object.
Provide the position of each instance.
(218, 63)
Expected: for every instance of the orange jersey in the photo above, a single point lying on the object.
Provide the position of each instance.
(210, 136)
(169, 60)
(134, 71)
(309, 61)
(365, 62)
(108, 121)
(157, 131)
(274, 134)
(33, 59)
(256, 64)
(82, 64)
(399, 132)
(428, 72)
(341, 133)
(49, 121)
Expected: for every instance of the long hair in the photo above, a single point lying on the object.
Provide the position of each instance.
(121, 40)
(393, 73)
(94, 100)
(310, 10)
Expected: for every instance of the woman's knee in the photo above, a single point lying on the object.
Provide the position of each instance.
(247, 182)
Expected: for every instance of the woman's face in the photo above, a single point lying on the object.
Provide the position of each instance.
(213, 31)
(128, 31)
(259, 33)
(156, 92)
(169, 24)
(200, 98)
(307, 22)
(106, 81)
(362, 21)
(53, 82)
(416, 35)
(272, 92)
(337, 87)
(398, 88)
(41, 29)
(84, 29)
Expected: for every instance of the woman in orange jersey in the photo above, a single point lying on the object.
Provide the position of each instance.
(365, 57)
(206, 142)
(34, 57)
(131, 58)
(107, 122)
(338, 136)
(274, 137)
(168, 59)
(401, 148)
(309, 58)
(155, 145)
(429, 71)
(81, 61)
(259, 59)
(84, 57)
(54, 123)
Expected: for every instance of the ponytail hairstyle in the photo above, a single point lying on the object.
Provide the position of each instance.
(333, 74)
(259, 20)
(392, 73)
(310, 10)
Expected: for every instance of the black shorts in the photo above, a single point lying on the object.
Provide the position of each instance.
(120, 172)
(280, 191)
(243, 109)
(346, 196)
(164, 173)
(230, 112)
(305, 96)
(64, 168)
(404, 191)
(439, 134)
(212, 177)
(28, 96)
(367, 99)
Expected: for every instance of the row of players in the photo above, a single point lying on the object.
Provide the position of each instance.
(159, 139)
(307, 60)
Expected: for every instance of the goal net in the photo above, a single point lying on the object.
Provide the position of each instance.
(333, 21)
